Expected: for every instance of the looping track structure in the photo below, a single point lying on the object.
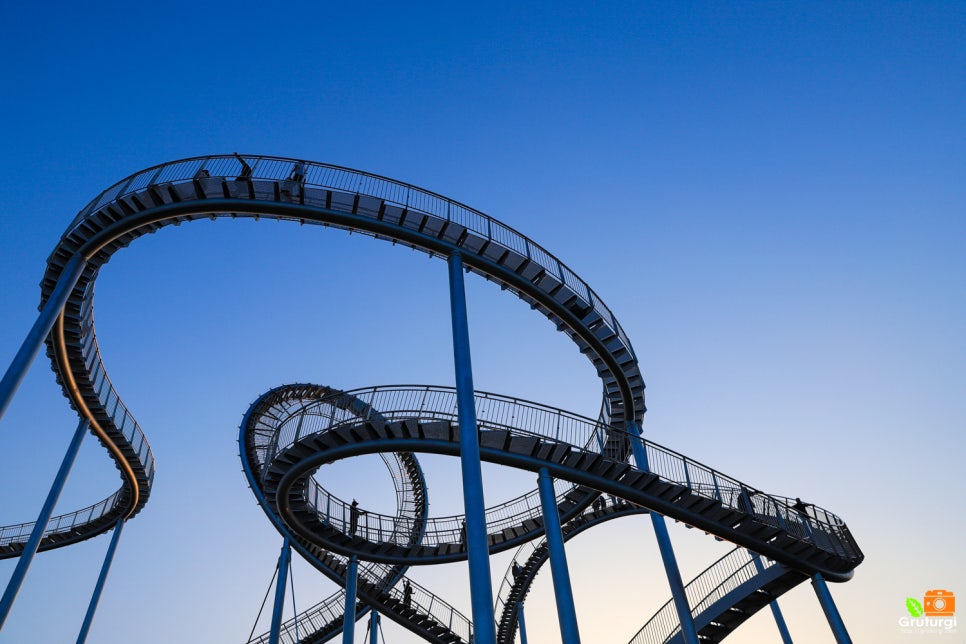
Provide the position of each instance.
(601, 468)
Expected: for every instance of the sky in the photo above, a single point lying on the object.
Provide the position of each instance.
(769, 196)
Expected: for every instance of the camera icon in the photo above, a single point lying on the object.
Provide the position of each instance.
(939, 603)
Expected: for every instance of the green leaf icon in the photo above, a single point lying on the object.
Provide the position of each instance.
(914, 607)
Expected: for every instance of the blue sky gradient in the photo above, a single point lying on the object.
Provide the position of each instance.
(769, 196)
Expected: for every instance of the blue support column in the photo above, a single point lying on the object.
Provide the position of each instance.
(349, 619)
(831, 612)
(563, 591)
(33, 543)
(776, 611)
(373, 627)
(283, 562)
(39, 331)
(478, 555)
(101, 580)
(522, 623)
(667, 551)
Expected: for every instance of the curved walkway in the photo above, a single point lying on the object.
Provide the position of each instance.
(588, 457)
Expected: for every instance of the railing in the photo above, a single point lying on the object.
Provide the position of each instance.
(427, 403)
(288, 420)
(323, 614)
(280, 414)
(525, 552)
(401, 402)
(111, 402)
(818, 527)
(425, 602)
(719, 579)
(382, 528)
(494, 411)
(20, 532)
(383, 582)
(383, 579)
(319, 175)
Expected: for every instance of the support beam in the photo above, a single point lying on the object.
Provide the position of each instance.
(477, 548)
(33, 543)
(776, 611)
(562, 589)
(674, 580)
(39, 331)
(522, 623)
(373, 627)
(831, 612)
(283, 562)
(101, 580)
(349, 619)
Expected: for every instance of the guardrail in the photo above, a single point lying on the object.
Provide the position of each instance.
(397, 402)
(19, 533)
(383, 528)
(716, 581)
(111, 402)
(818, 527)
(303, 173)
(401, 402)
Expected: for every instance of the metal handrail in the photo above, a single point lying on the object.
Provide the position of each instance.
(400, 402)
(383, 528)
(64, 523)
(382, 578)
(302, 173)
(713, 583)
(820, 528)
(113, 405)
(279, 408)
(493, 411)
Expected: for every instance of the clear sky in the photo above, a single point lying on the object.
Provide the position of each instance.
(771, 197)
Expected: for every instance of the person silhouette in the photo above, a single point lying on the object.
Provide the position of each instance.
(407, 593)
(354, 513)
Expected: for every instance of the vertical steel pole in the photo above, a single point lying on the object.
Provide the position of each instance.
(667, 551)
(349, 616)
(39, 331)
(562, 590)
(522, 623)
(831, 612)
(481, 587)
(374, 627)
(33, 543)
(101, 580)
(776, 611)
(284, 558)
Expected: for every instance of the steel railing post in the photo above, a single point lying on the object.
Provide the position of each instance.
(349, 621)
(562, 589)
(477, 549)
(40, 330)
(831, 612)
(33, 543)
(101, 580)
(667, 551)
(283, 563)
